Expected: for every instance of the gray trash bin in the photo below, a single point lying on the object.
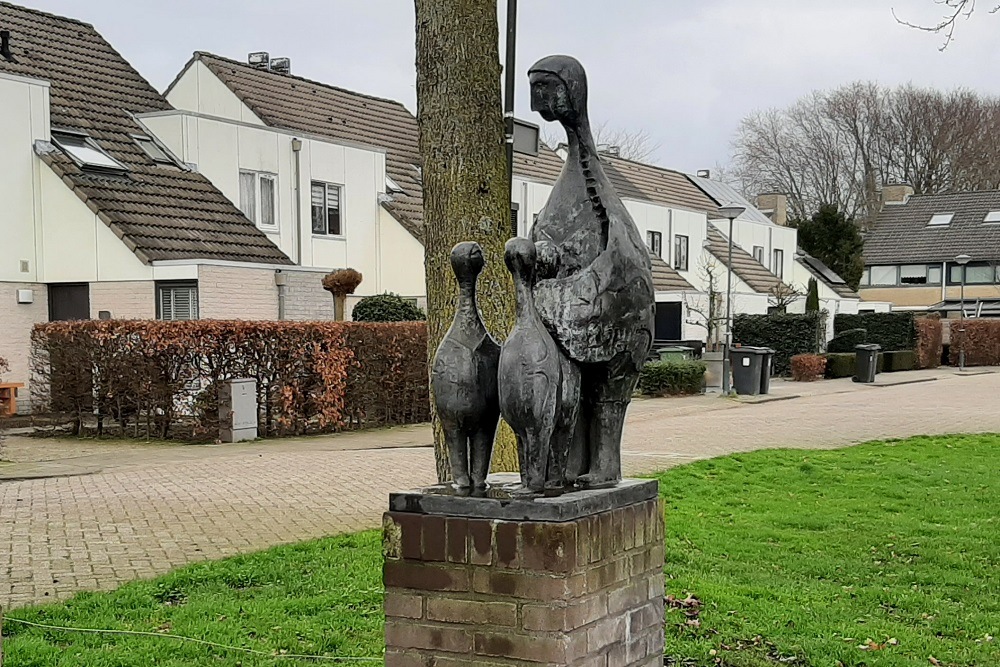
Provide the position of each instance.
(746, 368)
(766, 370)
(866, 361)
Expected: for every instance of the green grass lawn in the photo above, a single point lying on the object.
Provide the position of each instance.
(790, 558)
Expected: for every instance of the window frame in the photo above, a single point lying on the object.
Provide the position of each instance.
(677, 264)
(778, 263)
(342, 232)
(654, 241)
(941, 220)
(954, 268)
(143, 141)
(257, 215)
(759, 256)
(62, 139)
(163, 286)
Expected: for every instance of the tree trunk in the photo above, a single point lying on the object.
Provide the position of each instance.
(466, 194)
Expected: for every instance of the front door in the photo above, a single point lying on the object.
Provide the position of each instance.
(668, 321)
(69, 301)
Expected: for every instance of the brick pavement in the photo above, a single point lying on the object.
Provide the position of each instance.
(148, 511)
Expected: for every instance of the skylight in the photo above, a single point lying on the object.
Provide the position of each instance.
(941, 219)
(392, 186)
(992, 216)
(153, 149)
(86, 153)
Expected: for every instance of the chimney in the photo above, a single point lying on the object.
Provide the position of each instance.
(281, 65)
(774, 206)
(704, 173)
(5, 51)
(259, 59)
(896, 194)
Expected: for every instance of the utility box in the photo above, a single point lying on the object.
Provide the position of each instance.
(238, 410)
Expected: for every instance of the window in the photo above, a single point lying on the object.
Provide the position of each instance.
(941, 220)
(883, 276)
(992, 216)
(655, 242)
(866, 276)
(326, 210)
(758, 253)
(976, 273)
(913, 274)
(779, 263)
(391, 186)
(934, 274)
(153, 150)
(513, 219)
(258, 198)
(681, 253)
(177, 301)
(86, 153)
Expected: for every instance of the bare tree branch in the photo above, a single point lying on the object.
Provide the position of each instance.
(956, 9)
(636, 145)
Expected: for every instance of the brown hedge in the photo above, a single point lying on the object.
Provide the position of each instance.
(161, 378)
(808, 367)
(929, 337)
(981, 342)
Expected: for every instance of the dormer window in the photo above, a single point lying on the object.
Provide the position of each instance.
(85, 152)
(941, 220)
(992, 216)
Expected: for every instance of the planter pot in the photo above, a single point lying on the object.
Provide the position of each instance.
(713, 369)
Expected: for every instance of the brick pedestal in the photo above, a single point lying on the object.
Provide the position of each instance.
(582, 587)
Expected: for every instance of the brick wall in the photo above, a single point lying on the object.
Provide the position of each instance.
(16, 321)
(134, 300)
(463, 592)
(305, 298)
(237, 293)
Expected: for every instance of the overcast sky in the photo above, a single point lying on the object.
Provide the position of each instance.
(686, 71)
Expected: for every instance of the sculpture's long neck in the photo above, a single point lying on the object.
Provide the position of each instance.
(525, 308)
(467, 310)
(583, 151)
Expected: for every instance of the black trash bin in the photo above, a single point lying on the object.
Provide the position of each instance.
(746, 368)
(866, 362)
(766, 370)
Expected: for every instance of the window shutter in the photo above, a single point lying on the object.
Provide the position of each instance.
(333, 209)
(248, 195)
(178, 302)
(267, 187)
(513, 221)
(166, 304)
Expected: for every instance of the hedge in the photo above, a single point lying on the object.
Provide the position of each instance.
(787, 334)
(387, 308)
(893, 331)
(929, 342)
(808, 367)
(843, 364)
(981, 342)
(672, 377)
(161, 379)
(899, 360)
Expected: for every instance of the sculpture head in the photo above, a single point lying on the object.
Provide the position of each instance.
(559, 89)
(520, 255)
(467, 261)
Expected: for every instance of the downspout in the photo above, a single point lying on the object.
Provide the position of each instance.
(297, 150)
(944, 282)
(281, 281)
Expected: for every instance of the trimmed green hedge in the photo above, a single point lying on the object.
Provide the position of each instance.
(899, 360)
(387, 308)
(787, 334)
(893, 331)
(672, 377)
(842, 364)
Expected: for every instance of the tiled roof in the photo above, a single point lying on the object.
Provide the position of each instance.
(544, 167)
(644, 182)
(748, 269)
(665, 278)
(901, 234)
(295, 103)
(161, 212)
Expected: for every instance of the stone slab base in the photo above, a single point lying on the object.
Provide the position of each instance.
(463, 591)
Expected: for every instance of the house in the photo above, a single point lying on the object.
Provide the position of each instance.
(101, 218)
(912, 253)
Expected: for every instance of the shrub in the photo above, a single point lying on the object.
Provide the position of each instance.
(387, 308)
(812, 296)
(845, 341)
(787, 334)
(807, 367)
(672, 377)
(981, 342)
(893, 331)
(148, 376)
(842, 364)
(899, 360)
(929, 337)
(342, 281)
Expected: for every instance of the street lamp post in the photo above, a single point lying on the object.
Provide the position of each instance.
(730, 213)
(962, 260)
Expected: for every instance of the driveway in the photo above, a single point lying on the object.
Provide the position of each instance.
(90, 516)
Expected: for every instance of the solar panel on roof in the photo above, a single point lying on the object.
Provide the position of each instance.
(822, 269)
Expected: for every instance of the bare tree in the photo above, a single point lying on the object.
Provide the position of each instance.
(954, 9)
(636, 145)
(781, 296)
(841, 147)
(708, 311)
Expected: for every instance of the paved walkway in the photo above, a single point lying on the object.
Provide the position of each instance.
(119, 512)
